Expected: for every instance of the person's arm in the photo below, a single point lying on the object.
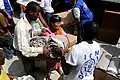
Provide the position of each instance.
(69, 62)
(21, 42)
(8, 15)
(2, 7)
(65, 66)
(43, 21)
(76, 11)
(42, 4)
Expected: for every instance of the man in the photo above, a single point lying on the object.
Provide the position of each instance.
(82, 58)
(22, 5)
(22, 36)
(82, 14)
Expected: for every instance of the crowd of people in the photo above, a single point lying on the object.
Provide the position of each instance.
(32, 38)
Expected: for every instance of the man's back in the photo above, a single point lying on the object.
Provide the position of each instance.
(84, 57)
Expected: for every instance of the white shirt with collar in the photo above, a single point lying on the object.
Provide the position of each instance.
(22, 36)
(46, 5)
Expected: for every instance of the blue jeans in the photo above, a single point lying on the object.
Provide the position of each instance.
(47, 17)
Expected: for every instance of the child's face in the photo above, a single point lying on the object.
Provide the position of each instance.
(56, 25)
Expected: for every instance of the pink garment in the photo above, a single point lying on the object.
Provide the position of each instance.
(53, 64)
(48, 33)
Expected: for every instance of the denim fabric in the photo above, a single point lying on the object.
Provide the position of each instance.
(47, 17)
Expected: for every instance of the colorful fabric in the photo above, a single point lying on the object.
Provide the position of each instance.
(60, 31)
(53, 64)
(3, 75)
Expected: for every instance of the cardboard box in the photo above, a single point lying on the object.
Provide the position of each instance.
(110, 28)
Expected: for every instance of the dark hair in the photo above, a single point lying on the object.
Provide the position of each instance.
(32, 6)
(55, 18)
(90, 30)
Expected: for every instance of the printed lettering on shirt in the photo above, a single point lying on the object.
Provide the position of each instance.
(88, 66)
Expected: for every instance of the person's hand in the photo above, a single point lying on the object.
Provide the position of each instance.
(66, 50)
(46, 30)
(46, 51)
(9, 17)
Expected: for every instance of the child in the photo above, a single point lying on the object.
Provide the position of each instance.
(55, 26)
(39, 30)
(51, 63)
(56, 29)
(55, 48)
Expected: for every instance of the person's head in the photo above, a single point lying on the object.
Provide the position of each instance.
(33, 10)
(90, 30)
(55, 22)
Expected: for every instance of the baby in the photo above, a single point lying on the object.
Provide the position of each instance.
(38, 30)
(55, 48)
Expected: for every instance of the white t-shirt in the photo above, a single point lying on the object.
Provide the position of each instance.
(84, 57)
(46, 5)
